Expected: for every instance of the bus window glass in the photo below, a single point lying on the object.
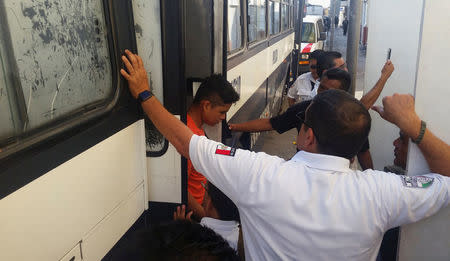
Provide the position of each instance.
(284, 17)
(55, 67)
(257, 20)
(274, 17)
(234, 25)
(308, 33)
(61, 52)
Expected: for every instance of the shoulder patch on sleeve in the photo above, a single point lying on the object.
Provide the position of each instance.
(225, 150)
(417, 181)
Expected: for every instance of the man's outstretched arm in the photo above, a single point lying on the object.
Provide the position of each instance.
(252, 126)
(399, 110)
(369, 99)
(173, 129)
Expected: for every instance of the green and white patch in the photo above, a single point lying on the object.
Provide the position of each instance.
(417, 181)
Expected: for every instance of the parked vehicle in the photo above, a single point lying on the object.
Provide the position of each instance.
(313, 38)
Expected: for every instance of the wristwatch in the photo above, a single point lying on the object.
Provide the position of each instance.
(423, 127)
(144, 95)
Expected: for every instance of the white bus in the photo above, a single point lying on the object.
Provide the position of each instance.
(260, 57)
(79, 163)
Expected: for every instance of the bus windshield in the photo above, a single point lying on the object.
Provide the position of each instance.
(308, 33)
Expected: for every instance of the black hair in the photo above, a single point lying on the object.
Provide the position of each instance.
(183, 241)
(225, 207)
(326, 61)
(340, 123)
(342, 76)
(217, 90)
(316, 54)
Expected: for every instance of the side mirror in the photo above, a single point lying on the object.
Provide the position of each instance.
(323, 36)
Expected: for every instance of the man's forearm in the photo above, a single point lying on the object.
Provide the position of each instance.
(436, 153)
(253, 126)
(369, 99)
(177, 133)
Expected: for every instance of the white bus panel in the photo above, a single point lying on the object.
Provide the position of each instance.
(255, 70)
(429, 239)
(418, 33)
(62, 207)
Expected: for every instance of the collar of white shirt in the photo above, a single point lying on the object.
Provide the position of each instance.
(308, 76)
(322, 161)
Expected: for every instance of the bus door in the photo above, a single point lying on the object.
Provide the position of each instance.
(179, 47)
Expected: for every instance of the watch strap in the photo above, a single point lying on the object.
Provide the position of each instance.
(144, 95)
(423, 127)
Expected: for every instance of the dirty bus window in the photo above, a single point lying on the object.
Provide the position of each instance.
(61, 55)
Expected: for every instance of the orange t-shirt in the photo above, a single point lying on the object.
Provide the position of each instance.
(195, 179)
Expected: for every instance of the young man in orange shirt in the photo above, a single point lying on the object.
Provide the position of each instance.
(210, 105)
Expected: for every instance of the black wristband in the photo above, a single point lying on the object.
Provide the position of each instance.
(423, 127)
(145, 95)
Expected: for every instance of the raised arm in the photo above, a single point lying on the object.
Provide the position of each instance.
(399, 110)
(252, 126)
(174, 130)
(369, 99)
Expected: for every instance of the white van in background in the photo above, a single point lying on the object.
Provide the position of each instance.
(313, 38)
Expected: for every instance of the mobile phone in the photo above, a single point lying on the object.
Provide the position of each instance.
(388, 54)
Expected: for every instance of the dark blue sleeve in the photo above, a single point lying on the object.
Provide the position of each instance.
(289, 120)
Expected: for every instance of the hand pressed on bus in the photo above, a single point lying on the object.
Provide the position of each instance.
(136, 75)
(178, 134)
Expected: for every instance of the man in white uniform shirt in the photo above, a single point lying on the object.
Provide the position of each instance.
(303, 86)
(313, 207)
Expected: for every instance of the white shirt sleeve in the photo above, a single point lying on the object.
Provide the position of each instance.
(231, 174)
(405, 204)
(292, 92)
